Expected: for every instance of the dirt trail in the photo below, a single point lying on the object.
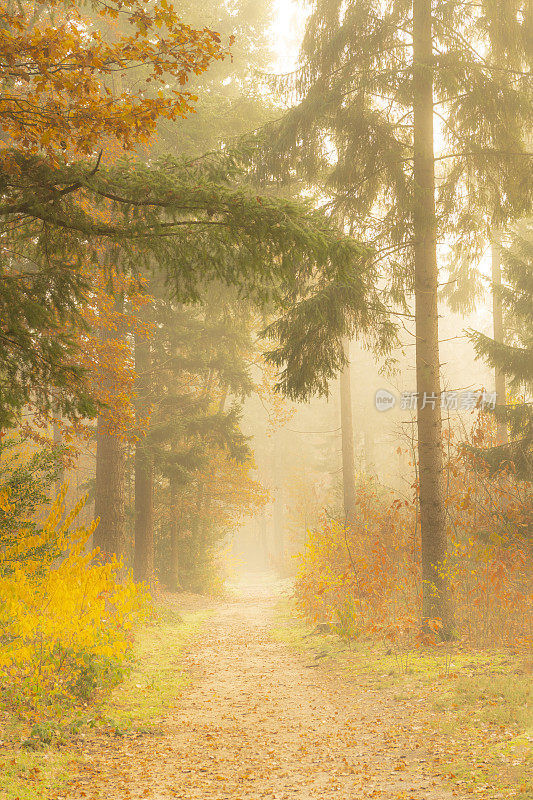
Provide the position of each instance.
(258, 722)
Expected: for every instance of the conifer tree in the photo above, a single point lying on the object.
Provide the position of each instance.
(197, 366)
(143, 557)
(348, 442)
(182, 218)
(514, 357)
(110, 535)
(152, 227)
(374, 78)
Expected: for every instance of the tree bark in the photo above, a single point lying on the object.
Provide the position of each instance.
(436, 595)
(348, 447)
(58, 441)
(109, 491)
(174, 540)
(502, 436)
(370, 456)
(143, 558)
(110, 534)
(278, 515)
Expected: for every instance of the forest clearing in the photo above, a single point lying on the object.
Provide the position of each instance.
(266, 399)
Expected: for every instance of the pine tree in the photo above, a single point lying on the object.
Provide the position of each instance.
(348, 444)
(198, 365)
(39, 316)
(182, 218)
(229, 103)
(373, 79)
(513, 358)
(143, 558)
(208, 250)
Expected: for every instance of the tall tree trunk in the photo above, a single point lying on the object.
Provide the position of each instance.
(263, 538)
(223, 399)
(58, 441)
(278, 539)
(110, 534)
(143, 558)
(502, 436)
(370, 456)
(109, 491)
(348, 445)
(174, 540)
(436, 591)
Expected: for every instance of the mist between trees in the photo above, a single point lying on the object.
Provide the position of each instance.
(219, 286)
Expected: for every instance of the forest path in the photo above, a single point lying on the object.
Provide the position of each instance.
(258, 722)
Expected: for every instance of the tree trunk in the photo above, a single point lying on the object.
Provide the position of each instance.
(110, 534)
(348, 448)
(109, 491)
(58, 441)
(278, 538)
(174, 541)
(143, 558)
(436, 602)
(502, 436)
(370, 455)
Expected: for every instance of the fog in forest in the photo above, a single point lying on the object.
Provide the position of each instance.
(266, 400)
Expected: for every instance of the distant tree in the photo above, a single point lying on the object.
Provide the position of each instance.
(229, 102)
(514, 357)
(486, 210)
(193, 367)
(348, 441)
(143, 550)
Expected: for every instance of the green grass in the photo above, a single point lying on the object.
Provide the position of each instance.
(153, 685)
(31, 776)
(156, 680)
(477, 701)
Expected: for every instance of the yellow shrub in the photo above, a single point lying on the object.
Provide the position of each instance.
(65, 631)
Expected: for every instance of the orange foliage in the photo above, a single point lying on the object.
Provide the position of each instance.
(56, 61)
(366, 580)
(231, 489)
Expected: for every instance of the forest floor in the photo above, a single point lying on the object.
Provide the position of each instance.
(257, 708)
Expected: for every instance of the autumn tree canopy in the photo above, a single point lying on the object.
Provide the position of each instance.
(59, 62)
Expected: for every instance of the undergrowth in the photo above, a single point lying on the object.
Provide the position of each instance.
(35, 763)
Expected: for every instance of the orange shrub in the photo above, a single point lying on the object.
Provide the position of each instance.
(365, 580)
